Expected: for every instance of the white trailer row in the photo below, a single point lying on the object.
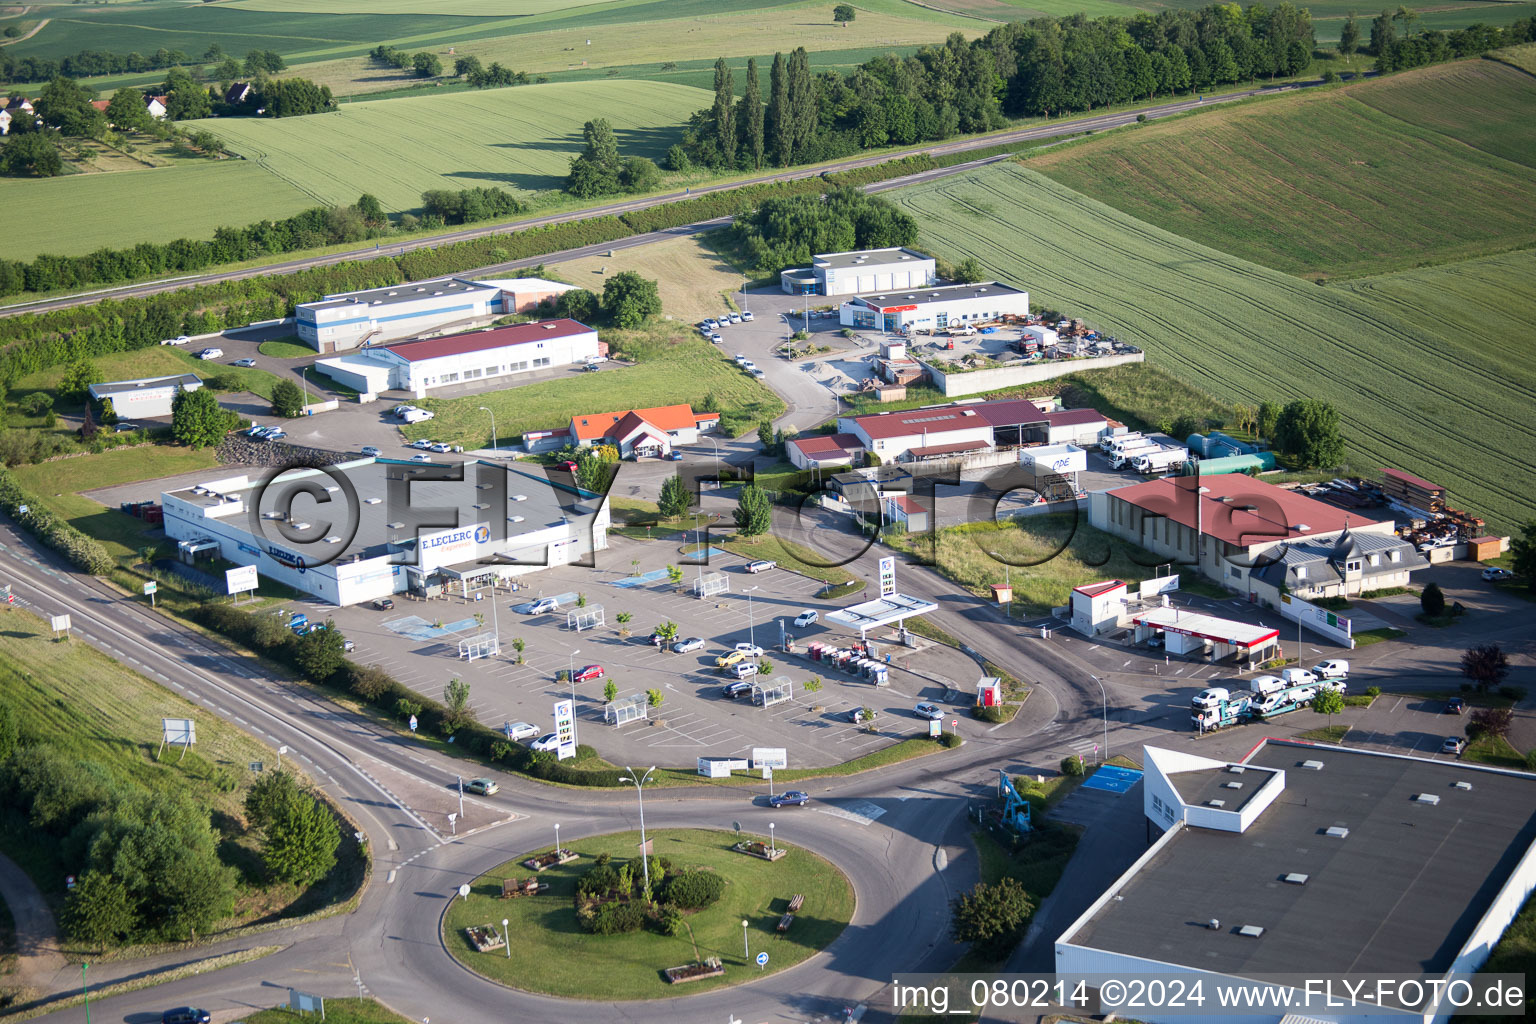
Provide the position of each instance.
(1267, 696)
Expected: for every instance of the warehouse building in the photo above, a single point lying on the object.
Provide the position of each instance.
(1251, 536)
(508, 523)
(933, 309)
(350, 320)
(867, 270)
(825, 451)
(953, 431)
(418, 366)
(145, 398)
(1306, 860)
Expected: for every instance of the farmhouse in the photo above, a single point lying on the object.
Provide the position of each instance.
(1432, 859)
(5, 122)
(510, 523)
(360, 319)
(418, 366)
(1256, 538)
(933, 309)
(638, 433)
(867, 270)
(146, 398)
(156, 106)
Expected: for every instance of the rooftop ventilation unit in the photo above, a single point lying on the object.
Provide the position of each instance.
(1302, 528)
(1336, 832)
(1462, 785)
(1236, 769)
(1215, 803)
(1426, 798)
(301, 526)
(1231, 785)
(1295, 878)
(372, 501)
(333, 539)
(480, 504)
(905, 257)
(1315, 766)
(393, 526)
(518, 497)
(515, 519)
(1250, 931)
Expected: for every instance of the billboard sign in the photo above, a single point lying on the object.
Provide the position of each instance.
(178, 730)
(721, 767)
(240, 579)
(151, 587)
(1158, 585)
(887, 576)
(770, 757)
(449, 546)
(565, 729)
(59, 623)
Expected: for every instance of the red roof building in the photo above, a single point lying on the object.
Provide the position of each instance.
(484, 341)
(640, 432)
(824, 450)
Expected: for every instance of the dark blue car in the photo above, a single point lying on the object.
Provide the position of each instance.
(789, 798)
(185, 1015)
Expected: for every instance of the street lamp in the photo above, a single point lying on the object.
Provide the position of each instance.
(570, 675)
(304, 379)
(506, 940)
(746, 948)
(751, 638)
(557, 840)
(717, 453)
(1105, 696)
(493, 426)
(645, 856)
(772, 849)
(86, 990)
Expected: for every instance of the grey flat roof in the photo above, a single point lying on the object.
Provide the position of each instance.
(411, 292)
(543, 507)
(870, 258)
(907, 296)
(1399, 895)
(118, 387)
(1198, 787)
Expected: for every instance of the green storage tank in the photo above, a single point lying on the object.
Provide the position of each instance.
(1262, 462)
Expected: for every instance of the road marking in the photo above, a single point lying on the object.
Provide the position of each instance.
(861, 813)
(391, 877)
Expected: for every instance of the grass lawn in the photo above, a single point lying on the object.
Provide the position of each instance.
(157, 361)
(337, 1011)
(1429, 166)
(656, 381)
(1249, 334)
(1494, 751)
(1366, 637)
(88, 706)
(1046, 556)
(282, 348)
(551, 954)
(438, 142)
(690, 276)
(1325, 734)
(57, 484)
(789, 555)
(1522, 57)
(1514, 953)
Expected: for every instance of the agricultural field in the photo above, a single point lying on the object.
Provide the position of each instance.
(79, 213)
(1423, 396)
(1428, 166)
(520, 139)
(1522, 57)
(689, 276)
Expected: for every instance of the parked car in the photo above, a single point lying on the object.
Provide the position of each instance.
(750, 650)
(932, 712)
(185, 1015)
(371, 451)
(656, 640)
(740, 688)
(211, 353)
(748, 365)
(806, 618)
(729, 658)
(274, 434)
(758, 371)
(349, 646)
(589, 672)
(712, 324)
(857, 715)
(423, 444)
(1493, 573)
(418, 416)
(423, 457)
(747, 316)
(176, 341)
(735, 318)
(549, 741)
(244, 362)
(1453, 745)
(740, 358)
(1455, 706)
(485, 787)
(383, 604)
(715, 337)
(441, 448)
(789, 798)
(521, 731)
(543, 607)
(761, 565)
(590, 366)
(1331, 668)
(567, 465)
(745, 669)
(674, 456)
(693, 643)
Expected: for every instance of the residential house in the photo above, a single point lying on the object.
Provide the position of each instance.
(156, 107)
(239, 94)
(638, 433)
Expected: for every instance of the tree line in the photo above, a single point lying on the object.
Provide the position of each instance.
(87, 63)
(1396, 52)
(786, 232)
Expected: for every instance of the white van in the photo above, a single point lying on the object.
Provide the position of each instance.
(1210, 698)
(417, 416)
(1333, 668)
(1265, 685)
(1297, 676)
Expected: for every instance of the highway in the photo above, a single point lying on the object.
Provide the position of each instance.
(1054, 129)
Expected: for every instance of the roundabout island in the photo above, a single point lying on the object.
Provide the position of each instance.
(578, 924)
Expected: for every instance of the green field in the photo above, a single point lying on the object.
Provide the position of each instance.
(1421, 396)
(551, 954)
(518, 139)
(1522, 57)
(1429, 166)
(159, 361)
(80, 213)
(550, 405)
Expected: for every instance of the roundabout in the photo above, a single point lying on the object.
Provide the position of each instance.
(548, 947)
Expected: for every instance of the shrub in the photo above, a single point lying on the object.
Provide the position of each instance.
(616, 918)
(694, 890)
(598, 880)
(992, 714)
(950, 739)
(1432, 601)
(1072, 765)
(1373, 691)
(603, 858)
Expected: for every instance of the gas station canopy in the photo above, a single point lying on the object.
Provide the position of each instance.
(883, 611)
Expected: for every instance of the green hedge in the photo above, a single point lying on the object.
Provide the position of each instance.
(84, 553)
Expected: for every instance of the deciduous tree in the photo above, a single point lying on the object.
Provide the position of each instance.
(196, 419)
(1328, 702)
(674, 499)
(630, 299)
(287, 399)
(991, 915)
(1432, 600)
(1486, 665)
(753, 512)
(843, 13)
(1522, 551)
(1309, 432)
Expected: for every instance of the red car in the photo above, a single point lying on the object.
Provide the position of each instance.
(589, 672)
(568, 466)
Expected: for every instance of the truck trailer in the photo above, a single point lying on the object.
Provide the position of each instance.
(1109, 441)
(1162, 461)
(1123, 457)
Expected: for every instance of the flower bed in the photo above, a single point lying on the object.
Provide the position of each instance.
(549, 860)
(752, 848)
(696, 971)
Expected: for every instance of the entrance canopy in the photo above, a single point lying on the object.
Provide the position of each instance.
(883, 611)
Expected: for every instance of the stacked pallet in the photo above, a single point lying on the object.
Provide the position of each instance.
(1413, 491)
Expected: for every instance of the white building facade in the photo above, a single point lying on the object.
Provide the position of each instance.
(933, 309)
(350, 320)
(865, 270)
(146, 398)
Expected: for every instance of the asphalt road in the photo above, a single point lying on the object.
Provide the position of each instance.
(1073, 126)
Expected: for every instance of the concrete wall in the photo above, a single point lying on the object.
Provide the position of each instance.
(977, 381)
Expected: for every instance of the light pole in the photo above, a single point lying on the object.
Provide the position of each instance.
(493, 426)
(717, 453)
(645, 855)
(84, 988)
(772, 848)
(506, 940)
(570, 675)
(751, 638)
(746, 948)
(304, 380)
(1105, 696)
(557, 840)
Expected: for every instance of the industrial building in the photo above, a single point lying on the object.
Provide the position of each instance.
(1096, 607)
(506, 523)
(145, 398)
(951, 431)
(1308, 860)
(350, 320)
(825, 451)
(1233, 529)
(639, 433)
(867, 270)
(418, 366)
(933, 309)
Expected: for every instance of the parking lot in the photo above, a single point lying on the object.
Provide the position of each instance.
(695, 719)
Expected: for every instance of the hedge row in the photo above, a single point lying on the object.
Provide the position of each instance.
(375, 686)
(84, 553)
(36, 341)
